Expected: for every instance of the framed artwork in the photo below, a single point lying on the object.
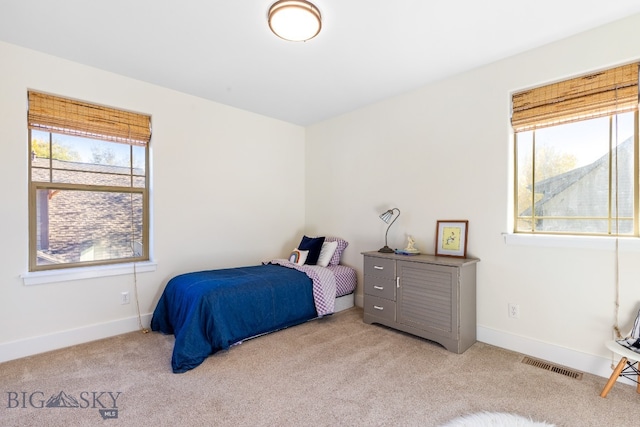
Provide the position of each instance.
(451, 238)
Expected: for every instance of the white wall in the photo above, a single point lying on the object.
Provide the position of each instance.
(445, 152)
(226, 191)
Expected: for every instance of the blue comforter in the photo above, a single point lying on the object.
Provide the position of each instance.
(209, 311)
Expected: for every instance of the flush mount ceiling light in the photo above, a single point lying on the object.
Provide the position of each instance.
(294, 20)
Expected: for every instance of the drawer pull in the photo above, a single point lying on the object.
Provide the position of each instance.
(377, 307)
(380, 288)
(378, 267)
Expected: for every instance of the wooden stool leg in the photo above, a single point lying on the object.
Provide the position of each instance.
(614, 376)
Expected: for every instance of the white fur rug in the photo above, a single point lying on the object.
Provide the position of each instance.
(494, 419)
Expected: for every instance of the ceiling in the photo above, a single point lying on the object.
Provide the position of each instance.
(368, 50)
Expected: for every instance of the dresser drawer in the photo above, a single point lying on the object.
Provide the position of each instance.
(380, 307)
(380, 267)
(380, 287)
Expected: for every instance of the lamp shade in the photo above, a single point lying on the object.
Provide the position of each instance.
(294, 20)
(387, 216)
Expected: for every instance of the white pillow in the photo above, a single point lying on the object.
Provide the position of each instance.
(328, 248)
(298, 257)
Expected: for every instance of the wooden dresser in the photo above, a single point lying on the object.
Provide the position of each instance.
(432, 297)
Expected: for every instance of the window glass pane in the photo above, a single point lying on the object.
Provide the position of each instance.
(576, 173)
(584, 225)
(39, 145)
(572, 176)
(40, 174)
(88, 178)
(572, 173)
(623, 127)
(524, 181)
(139, 182)
(91, 151)
(139, 160)
(85, 161)
(622, 181)
(78, 226)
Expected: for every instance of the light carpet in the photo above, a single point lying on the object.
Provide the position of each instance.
(335, 371)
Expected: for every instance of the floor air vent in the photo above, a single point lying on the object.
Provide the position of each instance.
(553, 368)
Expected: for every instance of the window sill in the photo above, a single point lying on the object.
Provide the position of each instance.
(67, 274)
(625, 244)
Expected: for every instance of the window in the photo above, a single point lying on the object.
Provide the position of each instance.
(576, 155)
(88, 184)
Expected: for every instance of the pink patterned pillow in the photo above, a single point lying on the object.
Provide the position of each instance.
(342, 245)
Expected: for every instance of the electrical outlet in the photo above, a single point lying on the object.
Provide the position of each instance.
(514, 311)
(124, 298)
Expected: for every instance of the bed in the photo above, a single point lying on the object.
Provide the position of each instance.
(209, 311)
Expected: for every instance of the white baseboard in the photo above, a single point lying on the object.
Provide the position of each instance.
(41, 344)
(589, 363)
(44, 343)
(596, 365)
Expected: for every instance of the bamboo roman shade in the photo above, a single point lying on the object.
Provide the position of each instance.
(67, 116)
(600, 94)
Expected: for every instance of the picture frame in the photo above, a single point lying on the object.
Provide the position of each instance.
(451, 238)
